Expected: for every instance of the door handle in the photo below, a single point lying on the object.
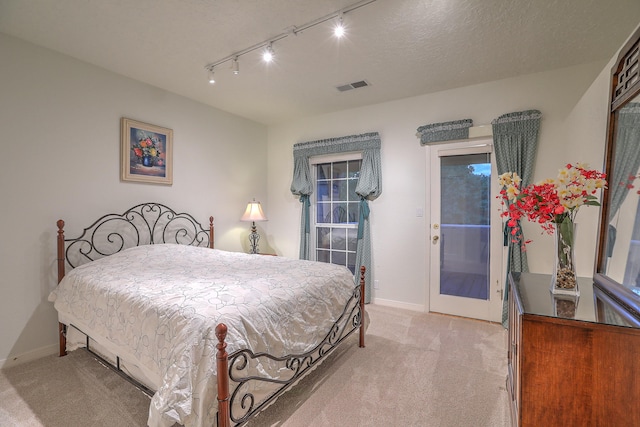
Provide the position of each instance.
(435, 239)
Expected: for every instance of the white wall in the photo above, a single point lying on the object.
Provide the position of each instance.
(400, 252)
(60, 139)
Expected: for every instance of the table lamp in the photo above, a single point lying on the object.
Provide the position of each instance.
(254, 213)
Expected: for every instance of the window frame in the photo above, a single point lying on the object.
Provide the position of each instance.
(314, 225)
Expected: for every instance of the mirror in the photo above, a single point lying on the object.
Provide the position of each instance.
(622, 245)
(617, 271)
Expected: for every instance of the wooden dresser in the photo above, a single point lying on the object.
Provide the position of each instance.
(578, 371)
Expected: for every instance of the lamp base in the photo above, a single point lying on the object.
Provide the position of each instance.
(254, 237)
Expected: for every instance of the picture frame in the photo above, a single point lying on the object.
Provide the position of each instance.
(147, 152)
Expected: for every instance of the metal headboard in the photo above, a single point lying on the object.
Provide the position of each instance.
(144, 224)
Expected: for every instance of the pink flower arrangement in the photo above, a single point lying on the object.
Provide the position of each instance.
(552, 201)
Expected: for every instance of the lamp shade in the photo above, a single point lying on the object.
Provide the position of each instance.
(253, 212)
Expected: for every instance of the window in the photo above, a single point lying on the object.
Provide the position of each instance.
(336, 209)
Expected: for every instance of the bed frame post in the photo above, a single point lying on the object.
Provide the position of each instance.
(222, 358)
(211, 232)
(60, 224)
(362, 326)
(62, 328)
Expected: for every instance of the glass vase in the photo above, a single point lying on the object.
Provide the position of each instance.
(564, 280)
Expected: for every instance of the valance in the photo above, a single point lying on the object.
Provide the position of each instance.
(446, 131)
(519, 116)
(343, 144)
(515, 140)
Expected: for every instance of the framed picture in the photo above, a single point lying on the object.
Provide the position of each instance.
(147, 153)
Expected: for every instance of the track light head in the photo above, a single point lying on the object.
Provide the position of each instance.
(212, 80)
(339, 29)
(235, 66)
(267, 56)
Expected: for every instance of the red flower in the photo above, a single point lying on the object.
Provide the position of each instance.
(551, 201)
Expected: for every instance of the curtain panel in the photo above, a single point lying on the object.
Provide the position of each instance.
(626, 159)
(369, 188)
(627, 156)
(446, 131)
(515, 141)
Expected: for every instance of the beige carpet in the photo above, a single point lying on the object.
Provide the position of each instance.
(417, 370)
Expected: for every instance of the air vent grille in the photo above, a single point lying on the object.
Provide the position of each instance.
(354, 85)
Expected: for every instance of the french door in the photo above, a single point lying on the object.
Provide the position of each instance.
(465, 232)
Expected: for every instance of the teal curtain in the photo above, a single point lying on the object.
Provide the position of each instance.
(446, 131)
(626, 157)
(515, 142)
(302, 186)
(369, 188)
(626, 161)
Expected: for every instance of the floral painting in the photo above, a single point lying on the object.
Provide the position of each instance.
(146, 152)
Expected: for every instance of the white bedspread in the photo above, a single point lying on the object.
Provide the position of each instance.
(160, 304)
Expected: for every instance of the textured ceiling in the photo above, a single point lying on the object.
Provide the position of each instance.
(401, 47)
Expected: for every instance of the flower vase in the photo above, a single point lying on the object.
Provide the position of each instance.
(564, 280)
(147, 161)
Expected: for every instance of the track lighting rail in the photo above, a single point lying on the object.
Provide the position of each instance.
(294, 30)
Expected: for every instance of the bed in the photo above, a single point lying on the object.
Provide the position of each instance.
(213, 336)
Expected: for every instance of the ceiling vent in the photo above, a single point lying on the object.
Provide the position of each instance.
(354, 85)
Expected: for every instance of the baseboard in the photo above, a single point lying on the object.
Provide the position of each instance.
(29, 356)
(398, 304)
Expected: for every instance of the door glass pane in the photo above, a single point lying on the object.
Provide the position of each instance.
(464, 245)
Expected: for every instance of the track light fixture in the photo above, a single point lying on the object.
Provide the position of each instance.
(235, 66)
(212, 80)
(338, 31)
(267, 56)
